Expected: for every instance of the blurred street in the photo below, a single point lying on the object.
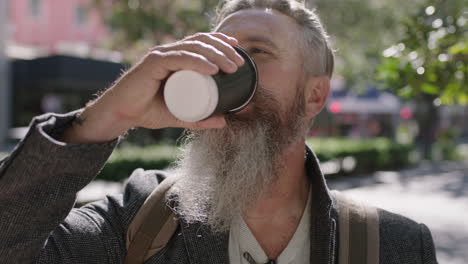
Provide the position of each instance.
(434, 194)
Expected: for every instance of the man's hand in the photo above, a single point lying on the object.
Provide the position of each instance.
(136, 99)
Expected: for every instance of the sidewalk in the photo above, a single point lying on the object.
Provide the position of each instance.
(434, 194)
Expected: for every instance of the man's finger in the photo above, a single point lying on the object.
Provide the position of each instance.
(226, 38)
(182, 60)
(208, 51)
(212, 122)
(219, 41)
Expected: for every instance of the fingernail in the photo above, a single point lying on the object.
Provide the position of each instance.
(240, 60)
(232, 66)
(214, 68)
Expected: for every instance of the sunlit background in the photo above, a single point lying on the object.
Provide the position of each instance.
(394, 132)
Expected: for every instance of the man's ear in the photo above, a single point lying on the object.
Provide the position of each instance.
(316, 94)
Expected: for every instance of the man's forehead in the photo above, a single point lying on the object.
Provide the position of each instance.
(260, 25)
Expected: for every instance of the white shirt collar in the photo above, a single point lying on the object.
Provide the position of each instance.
(242, 240)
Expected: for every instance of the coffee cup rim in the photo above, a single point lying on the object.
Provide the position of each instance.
(254, 67)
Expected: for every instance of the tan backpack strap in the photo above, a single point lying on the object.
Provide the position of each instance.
(359, 231)
(152, 227)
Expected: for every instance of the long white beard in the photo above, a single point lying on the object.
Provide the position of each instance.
(223, 171)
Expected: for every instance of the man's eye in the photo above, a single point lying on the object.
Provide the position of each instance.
(257, 51)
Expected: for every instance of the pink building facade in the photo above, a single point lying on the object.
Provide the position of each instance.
(50, 25)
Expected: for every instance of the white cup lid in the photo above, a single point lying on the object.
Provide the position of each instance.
(191, 96)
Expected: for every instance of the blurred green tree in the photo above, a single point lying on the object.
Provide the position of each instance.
(429, 63)
(137, 25)
(360, 30)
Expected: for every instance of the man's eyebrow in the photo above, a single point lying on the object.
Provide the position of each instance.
(263, 39)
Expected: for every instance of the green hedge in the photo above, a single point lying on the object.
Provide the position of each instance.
(369, 155)
(125, 160)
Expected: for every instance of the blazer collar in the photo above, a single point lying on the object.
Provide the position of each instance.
(204, 246)
(324, 217)
(322, 200)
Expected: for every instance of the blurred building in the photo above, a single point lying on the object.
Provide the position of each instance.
(370, 114)
(52, 50)
(41, 27)
(377, 113)
(57, 83)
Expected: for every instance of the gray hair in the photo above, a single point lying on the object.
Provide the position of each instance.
(315, 44)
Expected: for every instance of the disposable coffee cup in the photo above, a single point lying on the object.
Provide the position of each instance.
(191, 96)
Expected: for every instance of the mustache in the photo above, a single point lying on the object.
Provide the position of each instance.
(263, 105)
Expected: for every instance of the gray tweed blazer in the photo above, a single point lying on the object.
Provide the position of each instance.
(40, 179)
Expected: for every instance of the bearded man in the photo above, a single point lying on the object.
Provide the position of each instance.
(248, 189)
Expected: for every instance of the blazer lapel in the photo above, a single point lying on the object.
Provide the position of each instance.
(204, 246)
(323, 229)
